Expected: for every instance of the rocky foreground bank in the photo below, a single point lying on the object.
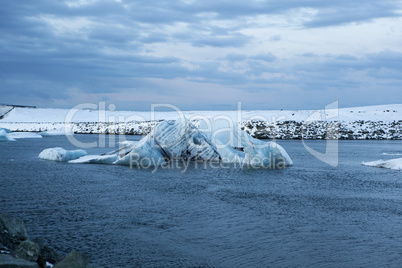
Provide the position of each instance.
(18, 251)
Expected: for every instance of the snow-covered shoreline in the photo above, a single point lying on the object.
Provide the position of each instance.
(370, 122)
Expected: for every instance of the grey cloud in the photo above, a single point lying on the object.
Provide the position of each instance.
(108, 54)
(386, 59)
(235, 57)
(236, 40)
(343, 12)
(268, 57)
(275, 38)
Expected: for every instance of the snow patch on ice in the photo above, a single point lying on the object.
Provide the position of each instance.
(61, 155)
(395, 164)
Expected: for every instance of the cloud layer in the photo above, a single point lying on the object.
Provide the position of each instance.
(201, 54)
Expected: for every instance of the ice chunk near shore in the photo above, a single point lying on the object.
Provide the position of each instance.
(58, 132)
(395, 164)
(61, 155)
(4, 136)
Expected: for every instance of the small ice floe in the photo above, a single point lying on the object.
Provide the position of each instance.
(95, 159)
(61, 155)
(395, 164)
(24, 135)
(391, 154)
(4, 136)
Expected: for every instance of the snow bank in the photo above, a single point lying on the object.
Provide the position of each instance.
(58, 132)
(4, 136)
(25, 135)
(61, 155)
(391, 112)
(395, 164)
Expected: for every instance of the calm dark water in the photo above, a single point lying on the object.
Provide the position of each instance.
(308, 215)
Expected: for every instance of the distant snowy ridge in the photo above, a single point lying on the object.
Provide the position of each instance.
(371, 122)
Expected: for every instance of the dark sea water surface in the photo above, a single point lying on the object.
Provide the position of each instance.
(307, 215)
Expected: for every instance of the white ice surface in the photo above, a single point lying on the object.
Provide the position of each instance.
(222, 130)
(180, 139)
(391, 154)
(395, 164)
(266, 154)
(61, 155)
(4, 136)
(227, 135)
(95, 159)
(25, 135)
(142, 153)
(58, 132)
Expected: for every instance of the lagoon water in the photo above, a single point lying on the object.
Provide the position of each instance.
(307, 215)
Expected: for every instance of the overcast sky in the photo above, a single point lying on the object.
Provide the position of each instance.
(201, 54)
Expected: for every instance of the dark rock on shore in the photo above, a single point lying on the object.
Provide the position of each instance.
(47, 254)
(27, 250)
(15, 226)
(8, 261)
(74, 260)
(8, 242)
(16, 250)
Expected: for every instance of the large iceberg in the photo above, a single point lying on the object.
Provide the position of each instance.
(181, 140)
(395, 164)
(61, 155)
(4, 136)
